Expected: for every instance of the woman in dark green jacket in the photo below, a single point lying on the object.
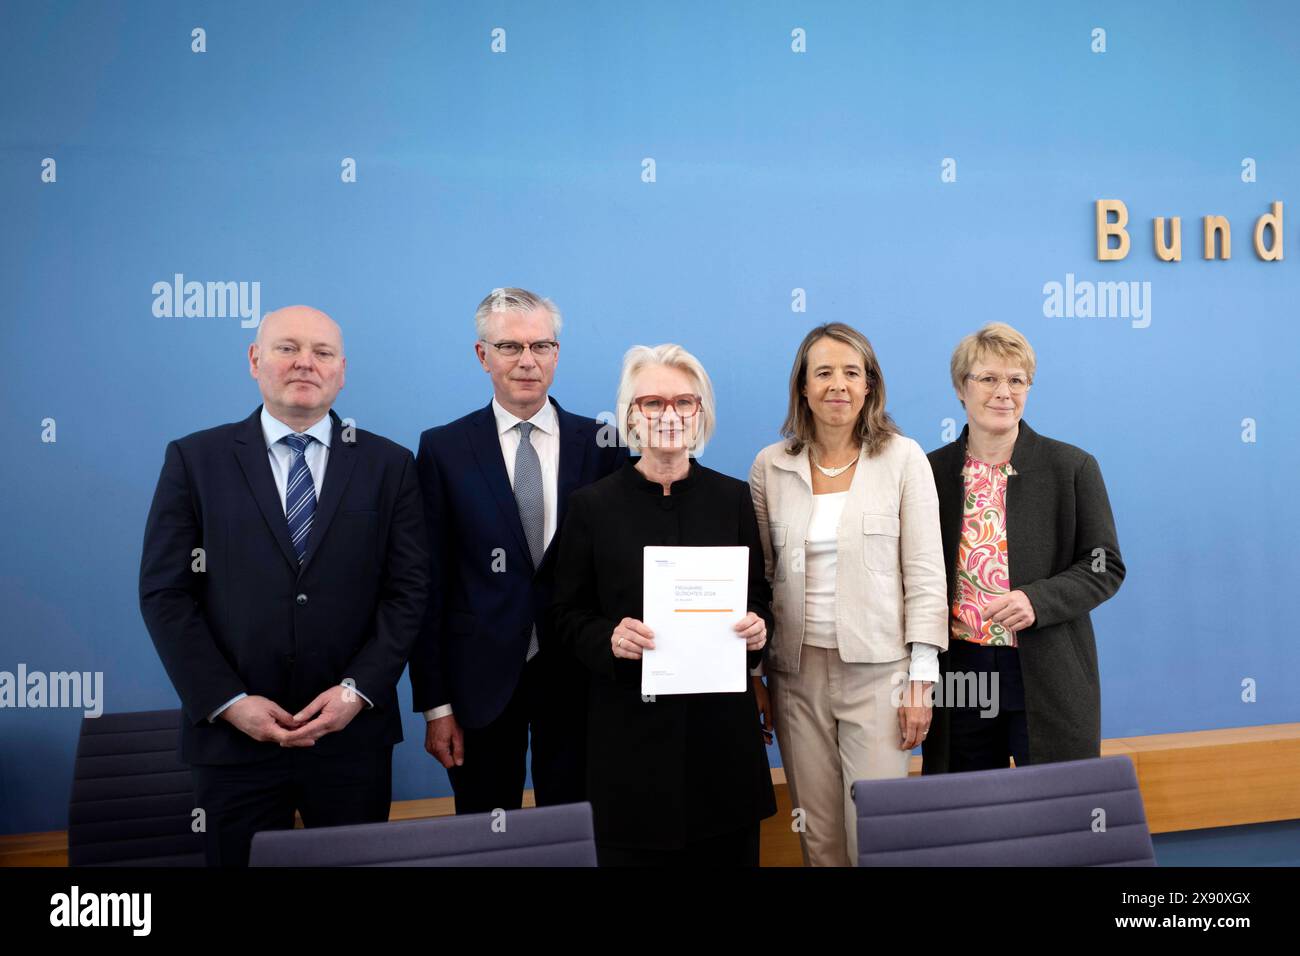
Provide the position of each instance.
(1030, 547)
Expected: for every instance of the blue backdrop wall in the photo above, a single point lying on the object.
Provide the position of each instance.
(774, 171)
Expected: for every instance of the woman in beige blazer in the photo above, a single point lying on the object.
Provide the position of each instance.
(849, 521)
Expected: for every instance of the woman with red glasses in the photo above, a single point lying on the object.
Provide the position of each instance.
(680, 779)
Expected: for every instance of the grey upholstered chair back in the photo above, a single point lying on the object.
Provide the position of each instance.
(541, 836)
(132, 799)
(1076, 813)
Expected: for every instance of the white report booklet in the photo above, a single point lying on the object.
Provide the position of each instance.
(693, 599)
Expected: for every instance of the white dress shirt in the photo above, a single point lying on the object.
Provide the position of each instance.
(280, 456)
(546, 440)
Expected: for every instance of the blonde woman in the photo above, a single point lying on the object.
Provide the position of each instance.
(1019, 591)
(680, 780)
(849, 522)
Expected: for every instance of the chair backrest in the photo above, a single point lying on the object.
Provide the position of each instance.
(541, 836)
(1075, 813)
(132, 799)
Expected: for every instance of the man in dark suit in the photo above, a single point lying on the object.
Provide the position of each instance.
(486, 670)
(283, 580)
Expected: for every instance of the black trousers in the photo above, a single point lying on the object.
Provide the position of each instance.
(551, 701)
(738, 848)
(985, 743)
(328, 791)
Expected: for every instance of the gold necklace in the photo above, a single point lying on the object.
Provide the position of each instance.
(831, 472)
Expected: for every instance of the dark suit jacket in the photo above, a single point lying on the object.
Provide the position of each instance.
(1058, 514)
(487, 595)
(254, 621)
(683, 767)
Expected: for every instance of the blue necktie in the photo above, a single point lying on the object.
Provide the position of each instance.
(299, 494)
(528, 495)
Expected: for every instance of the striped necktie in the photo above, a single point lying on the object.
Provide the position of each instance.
(528, 495)
(299, 494)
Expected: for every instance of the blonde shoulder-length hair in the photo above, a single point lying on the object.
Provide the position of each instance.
(874, 428)
(641, 357)
(996, 340)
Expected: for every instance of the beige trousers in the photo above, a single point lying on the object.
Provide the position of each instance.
(835, 723)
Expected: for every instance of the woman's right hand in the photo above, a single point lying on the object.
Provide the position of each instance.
(630, 638)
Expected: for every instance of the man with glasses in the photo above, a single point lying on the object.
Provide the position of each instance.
(486, 672)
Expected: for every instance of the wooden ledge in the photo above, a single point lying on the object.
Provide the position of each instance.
(1189, 781)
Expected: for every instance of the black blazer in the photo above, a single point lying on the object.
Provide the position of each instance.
(1062, 552)
(487, 594)
(255, 622)
(682, 767)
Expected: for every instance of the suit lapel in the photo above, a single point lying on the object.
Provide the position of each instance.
(486, 445)
(574, 446)
(952, 496)
(342, 458)
(250, 452)
(1023, 456)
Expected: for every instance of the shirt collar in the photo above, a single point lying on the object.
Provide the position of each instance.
(633, 476)
(974, 465)
(273, 429)
(544, 421)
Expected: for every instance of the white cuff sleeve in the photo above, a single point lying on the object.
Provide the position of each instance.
(925, 662)
(217, 713)
(351, 685)
(443, 711)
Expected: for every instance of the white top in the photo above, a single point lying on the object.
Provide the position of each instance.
(819, 569)
(820, 573)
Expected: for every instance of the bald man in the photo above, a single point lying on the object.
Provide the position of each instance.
(283, 580)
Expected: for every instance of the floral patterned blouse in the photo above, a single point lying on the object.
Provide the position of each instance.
(982, 554)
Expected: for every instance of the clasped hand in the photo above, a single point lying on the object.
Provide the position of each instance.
(265, 720)
(631, 637)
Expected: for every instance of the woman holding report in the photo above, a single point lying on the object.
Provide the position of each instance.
(676, 779)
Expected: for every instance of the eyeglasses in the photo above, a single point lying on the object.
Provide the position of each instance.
(654, 406)
(542, 349)
(989, 383)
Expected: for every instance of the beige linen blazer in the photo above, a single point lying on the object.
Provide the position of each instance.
(891, 587)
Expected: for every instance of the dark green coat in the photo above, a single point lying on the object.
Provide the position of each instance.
(1057, 514)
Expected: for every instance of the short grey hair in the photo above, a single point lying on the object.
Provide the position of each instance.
(514, 300)
(641, 357)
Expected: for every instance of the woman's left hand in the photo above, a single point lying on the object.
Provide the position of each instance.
(754, 630)
(915, 712)
(1013, 611)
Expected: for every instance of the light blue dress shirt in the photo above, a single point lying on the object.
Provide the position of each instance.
(280, 456)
